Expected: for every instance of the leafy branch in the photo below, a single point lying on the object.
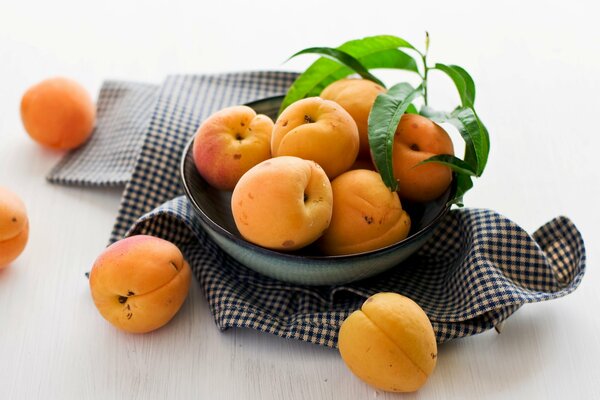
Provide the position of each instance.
(385, 51)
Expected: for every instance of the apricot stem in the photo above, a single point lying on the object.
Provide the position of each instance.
(425, 67)
(425, 81)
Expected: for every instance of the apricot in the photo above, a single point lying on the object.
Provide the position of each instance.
(229, 143)
(363, 163)
(58, 113)
(139, 283)
(14, 227)
(366, 215)
(416, 139)
(357, 97)
(283, 203)
(318, 130)
(389, 343)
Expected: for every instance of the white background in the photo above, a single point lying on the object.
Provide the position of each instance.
(536, 67)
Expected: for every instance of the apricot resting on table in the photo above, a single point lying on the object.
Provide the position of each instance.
(284, 203)
(58, 113)
(229, 143)
(357, 97)
(14, 227)
(389, 343)
(139, 283)
(417, 138)
(366, 215)
(318, 130)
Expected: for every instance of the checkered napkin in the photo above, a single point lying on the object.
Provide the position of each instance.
(124, 110)
(477, 269)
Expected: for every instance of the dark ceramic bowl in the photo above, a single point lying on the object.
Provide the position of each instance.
(305, 266)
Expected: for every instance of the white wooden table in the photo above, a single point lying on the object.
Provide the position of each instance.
(537, 72)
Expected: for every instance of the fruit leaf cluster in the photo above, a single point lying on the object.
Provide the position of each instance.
(360, 56)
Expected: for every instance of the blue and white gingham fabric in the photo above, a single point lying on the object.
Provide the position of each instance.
(478, 268)
(107, 158)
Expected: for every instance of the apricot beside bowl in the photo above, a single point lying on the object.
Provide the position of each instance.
(305, 266)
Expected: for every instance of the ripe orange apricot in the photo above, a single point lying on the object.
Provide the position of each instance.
(389, 343)
(283, 203)
(14, 227)
(366, 215)
(229, 143)
(318, 130)
(139, 283)
(364, 163)
(357, 97)
(417, 138)
(58, 113)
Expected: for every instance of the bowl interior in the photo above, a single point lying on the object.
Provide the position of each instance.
(214, 206)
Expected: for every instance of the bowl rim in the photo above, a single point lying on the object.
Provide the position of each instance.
(274, 253)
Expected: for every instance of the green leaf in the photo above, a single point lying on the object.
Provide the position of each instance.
(342, 58)
(485, 142)
(390, 59)
(372, 52)
(475, 135)
(411, 109)
(434, 115)
(466, 90)
(477, 146)
(463, 184)
(383, 121)
(393, 58)
(312, 81)
(455, 163)
(400, 90)
(472, 130)
(470, 84)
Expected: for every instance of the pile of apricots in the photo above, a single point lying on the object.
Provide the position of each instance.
(309, 178)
